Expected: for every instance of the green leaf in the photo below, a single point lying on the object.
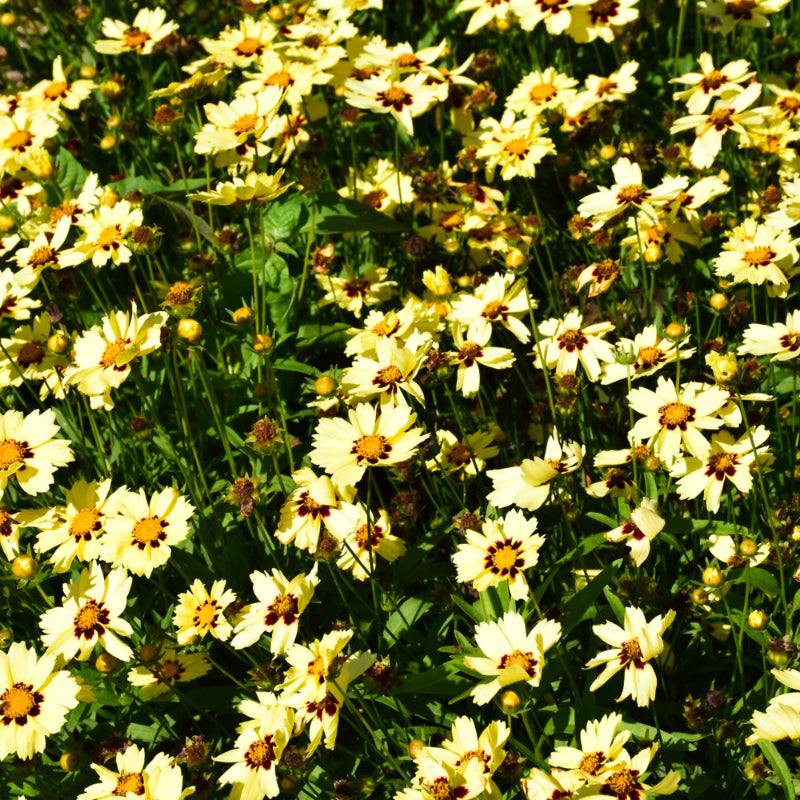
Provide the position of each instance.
(759, 578)
(290, 365)
(616, 605)
(283, 217)
(779, 766)
(406, 616)
(471, 611)
(578, 606)
(337, 214)
(604, 518)
(439, 680)
(70, 174)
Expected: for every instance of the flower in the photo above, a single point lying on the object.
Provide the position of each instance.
(622, 782)
(539, 91)
(639, 529)
(484, 11)
(602, 750)
(257, 187)
(738, 554)
(466, 457)
(281, 602)
(142, 533)
(756, 254)
(199, 612)
(501, 552)
(74, 530)
(540, 785)
(35, 699)
(556, 14)
(89, 614)
(307, 507)
(29, 454)
(103, 354)
(516, 146)
(502, 300)
(244, 45)
(11, 520)
(43, 251)
(353, 292)
(632, 648)
(617, 86)
(130, 777)
(472, 352)
(651, 351)
(379, 185)
(21, 134)
(726, 458)
(782, 340)
(749, 13)
(729, 113)
(48, 95)
(256, 754)
(346, 448)
(781, 720)
(403, 99)
(565, 342)
(465, 746)
(528, 485)
(510, 654)
(442, 779)
(171, 667)
(628, 192)
(601, 19)
(14, 290)
(675, 416)
(148, 28)
(711, 82)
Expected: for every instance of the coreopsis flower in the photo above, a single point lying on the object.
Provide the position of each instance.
(379, 185)
(556, 14)
(632, 648)
(674, 417)
(781, 341)
(74, 530)
(502, 552)
(624, 781)
(730, 113)
(484, 12)
(711, 82)
(528, 485)
(652, 353)
(437, 778)
(472, 353)
(256, 754)
(566, 342)
(12, 519)
(362, 540)
(466, 745)
(601, 19)
(148, 28)
(781, 720)
(697, 195)
(256, 187)
(15, 288)
(403, 99)
(296, 78)
(169, 668)
(243, 45)
(412, 318)
(21, 134)
(638, 530)
(726, 459)
(617, 483)
(540, 785)
(141, 536)
(243, 121)
(29, 455)
(602, 750)
(280, 603)
(53, 93)
(308, 507)
(628, 192)
(353, 292)
(108, 234)
(501, 299)
(313, 667)
(45, 251)
(515, 146)
(758, 254)
(320, 717)
(738, 554)
(599, 276)
(166, 783)
(389, 377)
(316, 41)
(35, 699)
(541, 91)
(748, 13)
(89, 614)
(368, 438)
(466, 457)
(511, 654)
(617, 86)
(200, 611)
(129, 777)
(103, 355)
(25, 358)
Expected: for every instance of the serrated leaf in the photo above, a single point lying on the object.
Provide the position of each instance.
(283, 217)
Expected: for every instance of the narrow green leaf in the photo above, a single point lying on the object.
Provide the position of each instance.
(779, 766)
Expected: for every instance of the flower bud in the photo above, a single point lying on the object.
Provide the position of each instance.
(190, 330)
(24, 566)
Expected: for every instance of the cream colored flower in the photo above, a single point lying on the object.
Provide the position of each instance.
(148, 28)
(566, 342)
(711, 82)
(780, 340)
(515, 146)
(638, 530)
(473, 352)
(200, 611)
